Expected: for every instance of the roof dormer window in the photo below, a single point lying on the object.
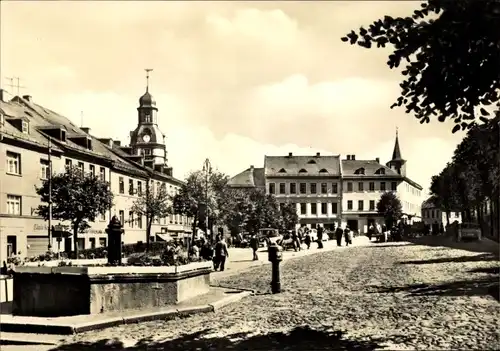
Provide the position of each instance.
(360, 171)
(323, 170)
(380, 171)
(311, 162)
(302, 171)
(282, 170)
(25, 127)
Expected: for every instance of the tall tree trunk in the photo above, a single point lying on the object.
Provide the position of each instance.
(447, 217)
(149, 222)
(75, 238)
(193, 234)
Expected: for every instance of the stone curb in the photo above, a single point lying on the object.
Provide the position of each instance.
(69, 329)
(228, 300)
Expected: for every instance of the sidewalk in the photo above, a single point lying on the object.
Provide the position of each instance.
(484, 245)
(240, 260)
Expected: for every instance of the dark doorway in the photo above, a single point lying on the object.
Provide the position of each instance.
(353, 224)
(68, 247)
(11, 245)
(371, 221)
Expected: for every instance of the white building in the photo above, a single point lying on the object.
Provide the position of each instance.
(431, 213)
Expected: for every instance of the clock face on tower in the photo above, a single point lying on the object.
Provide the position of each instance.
(146, 138)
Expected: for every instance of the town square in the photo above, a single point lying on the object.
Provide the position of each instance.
(250, 175)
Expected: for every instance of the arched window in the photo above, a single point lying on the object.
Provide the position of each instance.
(323, 170)
(282, 170)
(380, 171)
(360, 171)
(302, 171)
(311, 162)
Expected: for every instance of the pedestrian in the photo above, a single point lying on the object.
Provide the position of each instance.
(307, 239)
(221, 253)
(254, 244)
(347, 236)
(371, 231)
(320, 237)
(338, 235)
(295, 240)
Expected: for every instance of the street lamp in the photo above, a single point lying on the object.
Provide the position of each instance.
(207, 169)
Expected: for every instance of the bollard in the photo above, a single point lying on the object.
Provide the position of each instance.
(275, 257)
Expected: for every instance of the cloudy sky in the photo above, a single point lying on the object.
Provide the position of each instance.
(234, 81)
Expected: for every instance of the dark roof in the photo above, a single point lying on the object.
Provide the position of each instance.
(371, 168)
(302, 165)
(249, 178)
(147, 100)
(429, 203)
(396, 154)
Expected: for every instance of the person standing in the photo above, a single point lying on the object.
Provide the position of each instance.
(221, 253)
(347, 235)
(307, 239)
(296, 241)
(254, 244)
(320, 236)
(338, 235)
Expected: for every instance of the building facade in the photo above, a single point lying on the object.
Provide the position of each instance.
(431, 214)
(25, 131)
(327, 190)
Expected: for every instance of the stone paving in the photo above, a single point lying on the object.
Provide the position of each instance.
(382, 296)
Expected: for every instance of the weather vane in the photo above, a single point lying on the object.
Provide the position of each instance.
(147, 77)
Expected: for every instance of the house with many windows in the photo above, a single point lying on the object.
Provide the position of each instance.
(432, 213)
(29, 132)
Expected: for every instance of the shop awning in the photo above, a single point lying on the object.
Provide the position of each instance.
(163, 237)
(60, 231)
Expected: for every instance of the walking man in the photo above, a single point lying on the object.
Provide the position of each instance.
(338, 235)
(320, 236)
(254, 244)
(347, 236)
(221, 253)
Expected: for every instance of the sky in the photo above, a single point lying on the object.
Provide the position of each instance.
(233, 81)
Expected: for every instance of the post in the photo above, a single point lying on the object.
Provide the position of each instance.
(207, 168)
(275, 257)
(50, 195)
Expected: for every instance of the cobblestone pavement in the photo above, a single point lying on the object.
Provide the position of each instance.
(396, 296)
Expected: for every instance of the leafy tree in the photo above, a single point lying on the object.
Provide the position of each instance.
(76, 197)
(289, 215)
(390, 208)
(192, 197)
(444, 190)
(153, 204)
(264, 212)
(236, 209)
(452, 50)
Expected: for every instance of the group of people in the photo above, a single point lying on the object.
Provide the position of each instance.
(217, 252)
(346, 233)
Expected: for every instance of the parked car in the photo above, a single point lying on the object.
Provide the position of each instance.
(270, 235)
(469, 231)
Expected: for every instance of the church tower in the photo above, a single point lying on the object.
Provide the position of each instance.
(147, 140)
(397, 163)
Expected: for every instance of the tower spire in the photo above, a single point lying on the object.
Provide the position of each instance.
(147, 78)
(396, 154)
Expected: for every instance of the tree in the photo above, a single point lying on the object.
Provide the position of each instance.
(444, 190)
(289, 215)
(76, 197)
(264, 212)
(390, 208)
(153, 204)
(237, 209)
(192, 197)
(452, 48)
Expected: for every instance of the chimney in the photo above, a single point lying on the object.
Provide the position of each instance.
(353, 157)
(378, 160)
(28, 98)
(348, 157)
(86, 130)
(117, 143)
(317, 154)
(1, 95)
(251, 167)
(290, 154)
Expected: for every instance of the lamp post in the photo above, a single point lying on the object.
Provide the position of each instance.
(50, 195)
(207, 168)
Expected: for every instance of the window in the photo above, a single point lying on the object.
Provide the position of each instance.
(394, 186)
(121, 214)
(272, 188)
(102, 242)
(324, 188)
(323, 208)
(303, 188)
(282, 170)
(147, 151)
(382, 186)
(139, 188)
(323, 170)
(45, 169)
(81, 167)
(102, 174)
(293, 188)
(147, 118)
(131, 187)
(349, 186)
(360, 205)
(372, 205)
(14, 205)
(121, 185)
(92, 170)
(335, 208)
(68, 163)
(312, 162)
(335, 188)
(303, 209)
(25, 127)
(432, 213)
(313, 188)
(13, 163)
(372, 186)
(139, 221)
(302, 171)
(314, 209)
(131, 219)
(282, 188)
(360, 186)
(92, 243)
(349, 204)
